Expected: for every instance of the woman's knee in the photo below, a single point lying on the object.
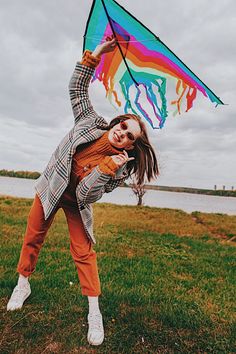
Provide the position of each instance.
(82, 253)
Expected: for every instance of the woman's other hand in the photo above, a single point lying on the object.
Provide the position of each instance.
(105, 47)
(121, 159)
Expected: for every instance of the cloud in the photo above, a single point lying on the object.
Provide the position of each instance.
(40, 43)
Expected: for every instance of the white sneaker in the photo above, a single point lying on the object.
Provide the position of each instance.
(18, 297)
(95, 331)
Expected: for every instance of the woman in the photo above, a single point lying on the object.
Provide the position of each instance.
(92, 159)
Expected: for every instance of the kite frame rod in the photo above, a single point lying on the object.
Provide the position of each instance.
(123, 57)
(87, 23)
(158, 39)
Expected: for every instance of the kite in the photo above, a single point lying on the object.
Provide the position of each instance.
(140, 66)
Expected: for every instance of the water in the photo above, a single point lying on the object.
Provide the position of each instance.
(21, 187)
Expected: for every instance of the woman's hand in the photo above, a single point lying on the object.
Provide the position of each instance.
(121, 159)
(105, 47)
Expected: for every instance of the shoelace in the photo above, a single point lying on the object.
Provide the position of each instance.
(95, 321)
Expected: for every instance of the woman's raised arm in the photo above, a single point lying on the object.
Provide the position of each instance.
(79, 83)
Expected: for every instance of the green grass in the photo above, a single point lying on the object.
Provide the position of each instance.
(162, 292)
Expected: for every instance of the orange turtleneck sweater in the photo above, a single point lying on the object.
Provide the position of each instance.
(96, 153)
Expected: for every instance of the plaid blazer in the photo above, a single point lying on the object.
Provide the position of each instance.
(88, 127)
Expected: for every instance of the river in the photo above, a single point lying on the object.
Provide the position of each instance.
(21, 187)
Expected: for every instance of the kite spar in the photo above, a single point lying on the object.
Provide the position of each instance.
(140, 63)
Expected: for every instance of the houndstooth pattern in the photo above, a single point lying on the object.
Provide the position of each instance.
(55, 178)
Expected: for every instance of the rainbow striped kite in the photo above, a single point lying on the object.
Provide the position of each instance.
(141, 65)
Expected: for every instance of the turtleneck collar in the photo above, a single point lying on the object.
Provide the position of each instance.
(104, 146)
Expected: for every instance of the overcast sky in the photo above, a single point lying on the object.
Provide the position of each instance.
(40, 43)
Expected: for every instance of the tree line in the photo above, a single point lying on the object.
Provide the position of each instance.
(20, 174)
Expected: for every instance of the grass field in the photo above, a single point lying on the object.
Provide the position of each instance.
(168, 283)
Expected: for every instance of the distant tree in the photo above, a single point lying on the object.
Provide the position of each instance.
(139, 190)
(20, 174)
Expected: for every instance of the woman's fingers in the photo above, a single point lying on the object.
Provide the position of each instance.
(109, 46)
(112, 42)
(110, 38)
(126, 154)
(125, 157)
(121, 159)
(105, 47)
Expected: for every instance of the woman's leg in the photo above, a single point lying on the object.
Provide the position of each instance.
(82, 252)
(35, 234)
(36, 231)
(85, 259)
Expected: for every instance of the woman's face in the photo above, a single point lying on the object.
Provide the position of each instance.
(124, 134)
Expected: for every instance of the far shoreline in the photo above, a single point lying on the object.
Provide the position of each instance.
(191, 190)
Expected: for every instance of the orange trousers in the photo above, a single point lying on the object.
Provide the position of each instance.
(80, 246)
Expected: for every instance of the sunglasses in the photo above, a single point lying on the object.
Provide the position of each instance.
(124, 126)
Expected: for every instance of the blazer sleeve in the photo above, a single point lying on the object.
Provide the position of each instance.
(93, 186)
(109, 187)
(79, 84)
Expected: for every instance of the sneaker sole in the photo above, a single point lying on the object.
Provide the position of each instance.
(99, 343)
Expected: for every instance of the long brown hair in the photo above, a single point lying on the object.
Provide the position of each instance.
(145, 161)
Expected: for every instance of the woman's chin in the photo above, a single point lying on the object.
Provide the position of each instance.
(116, 145)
